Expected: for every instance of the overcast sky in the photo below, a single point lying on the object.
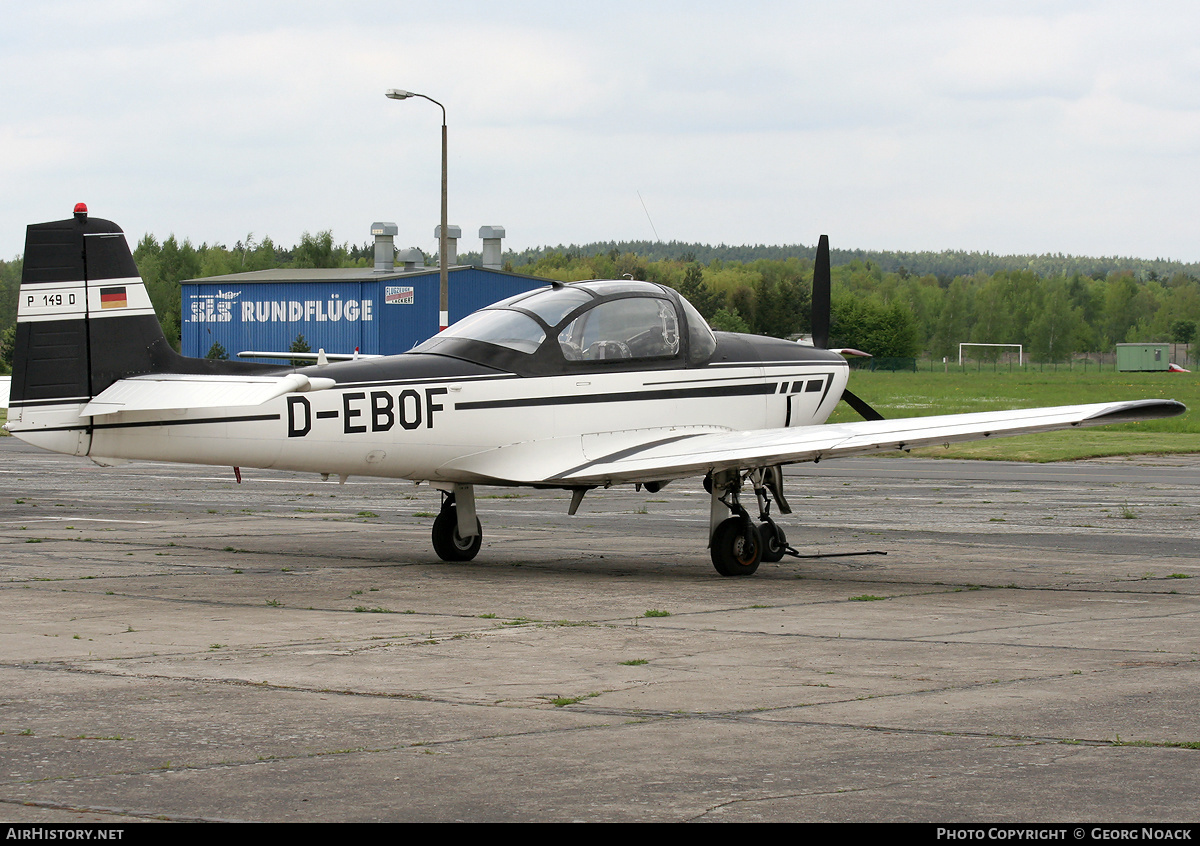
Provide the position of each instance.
(1012, 127)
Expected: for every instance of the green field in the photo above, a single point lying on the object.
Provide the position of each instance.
(921, 394)
(907, 394)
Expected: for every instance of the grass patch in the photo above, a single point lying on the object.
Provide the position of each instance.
(924, 393)
(654, 612)
(867, 597)
(563, 701)
(1159, 744)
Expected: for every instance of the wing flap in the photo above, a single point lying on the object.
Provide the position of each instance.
(161, 392)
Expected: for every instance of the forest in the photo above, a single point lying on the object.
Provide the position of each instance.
(900, 305)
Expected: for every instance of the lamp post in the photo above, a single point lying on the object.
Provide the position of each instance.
(443, 257)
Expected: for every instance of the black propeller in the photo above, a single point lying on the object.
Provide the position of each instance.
(820, 295)
(821, 308)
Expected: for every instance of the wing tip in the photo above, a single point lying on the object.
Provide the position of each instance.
(1136, 411)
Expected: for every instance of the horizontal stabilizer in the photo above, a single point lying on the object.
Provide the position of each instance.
(163, 391)
(320, 356)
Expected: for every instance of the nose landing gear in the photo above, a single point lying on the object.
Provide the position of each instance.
(449, 541)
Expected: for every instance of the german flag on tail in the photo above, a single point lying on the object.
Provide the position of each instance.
(113, 297)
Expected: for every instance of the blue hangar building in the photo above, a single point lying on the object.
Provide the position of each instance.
(384, 310)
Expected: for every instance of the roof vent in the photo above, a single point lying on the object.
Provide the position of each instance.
(411, 259)
(492, 236)
(385, 248)
(453, 233)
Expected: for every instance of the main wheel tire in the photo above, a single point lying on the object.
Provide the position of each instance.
(774, 542)
(736, 548)
(448, 543)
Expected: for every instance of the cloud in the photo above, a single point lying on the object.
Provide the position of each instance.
(1019, 126)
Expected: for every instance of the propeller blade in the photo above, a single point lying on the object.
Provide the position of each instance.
(821, 307)
(820, 295)
(861, 406)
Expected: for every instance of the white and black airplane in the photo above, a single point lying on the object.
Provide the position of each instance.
(573, 386)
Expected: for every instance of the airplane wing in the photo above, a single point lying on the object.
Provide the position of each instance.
(163, 391)
(646, 455)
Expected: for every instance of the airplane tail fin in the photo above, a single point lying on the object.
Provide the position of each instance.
(84, 321)
(84, 317)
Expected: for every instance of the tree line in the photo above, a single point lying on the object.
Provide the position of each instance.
(945, 265)
(1057, 309)
(900, 314)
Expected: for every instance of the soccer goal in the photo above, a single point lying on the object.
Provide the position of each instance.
(1018, 347)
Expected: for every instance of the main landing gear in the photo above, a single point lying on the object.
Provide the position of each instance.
(457, 534)
(736, 545)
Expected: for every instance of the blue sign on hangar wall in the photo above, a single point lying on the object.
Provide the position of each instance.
(335, 309)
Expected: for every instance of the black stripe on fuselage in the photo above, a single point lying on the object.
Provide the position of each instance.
(245, 418)
(758, 389)
(800, 373)
(691, 392)
(61, 401)
(38, 429)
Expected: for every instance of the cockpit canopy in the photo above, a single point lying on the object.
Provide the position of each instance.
(579, 326)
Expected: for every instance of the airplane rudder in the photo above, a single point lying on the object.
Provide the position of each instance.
(125, 338)
(51, 350)
(84, 317)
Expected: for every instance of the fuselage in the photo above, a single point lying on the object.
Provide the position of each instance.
(410, 427)
(552, 366)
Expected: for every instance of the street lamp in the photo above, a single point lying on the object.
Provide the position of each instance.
(443, 257)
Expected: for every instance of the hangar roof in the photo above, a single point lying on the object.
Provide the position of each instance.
(338, 274)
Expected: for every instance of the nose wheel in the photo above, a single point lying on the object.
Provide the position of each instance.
(774, 542)
(448, 542)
